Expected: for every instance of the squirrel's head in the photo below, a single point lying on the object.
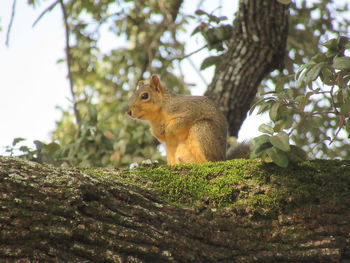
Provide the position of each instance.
(147, 100)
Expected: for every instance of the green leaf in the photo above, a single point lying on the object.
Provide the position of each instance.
(299, 71)
(197, 29)
(274, 111)
(17, 140)
(341, 63)
(330, 43)
(260, 139)
(296, 154)
(265, 129)
(278, 157)
(24, 149)
(321, 57)
(314, 72)
(210, 61)
(327, 76)
(39, 145)
(93, 113)
(259, 101)
(258, 143)
(281, 141)
(200, 12)
(300, 75)
(342, 42)
(264, 107)
(262, 147)
(52, 147)
(332, 52)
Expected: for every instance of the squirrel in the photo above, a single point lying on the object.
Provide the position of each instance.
(192, 127)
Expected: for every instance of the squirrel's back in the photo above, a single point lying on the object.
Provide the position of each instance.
(199, 107)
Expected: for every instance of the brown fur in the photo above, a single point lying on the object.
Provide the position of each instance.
(192, 127)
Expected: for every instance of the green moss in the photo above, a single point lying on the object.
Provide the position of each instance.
(246, 186)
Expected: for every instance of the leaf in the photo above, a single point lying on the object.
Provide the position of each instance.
(341, 63)
(342, 42)
(332, 52)
(327, 76)
(274, 111)
(17, 140)
(321, 57)
(263, 108)
(258, 142)
(260, 139)
(200, 12)
(301, 77)
(299, 71)
(330, 43)
(314, 72)
(281, 141)
(262, 147)
(296, 154)
(210, 61)
(52, 147)
(39, 145)
(197, 29)
(278, 157)
(92, 113)
(252, 108)
(264, 128)
(24, 149)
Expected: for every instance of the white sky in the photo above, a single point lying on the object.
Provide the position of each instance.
(32, 84)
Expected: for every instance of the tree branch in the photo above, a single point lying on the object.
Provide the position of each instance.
(69, 63)
(10, 23)
(169, 18)
(257, 47)
(48, 9)
(107, 215)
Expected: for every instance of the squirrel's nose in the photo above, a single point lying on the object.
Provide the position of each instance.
(129, 112)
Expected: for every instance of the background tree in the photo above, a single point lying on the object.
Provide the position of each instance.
(95, 131)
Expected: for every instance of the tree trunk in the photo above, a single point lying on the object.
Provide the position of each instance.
(257, 47)
(98, 215)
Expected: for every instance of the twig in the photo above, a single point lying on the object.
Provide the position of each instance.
(190, 54)
(10, 23)
(168, 20)
(69, 63)
(48, 9)
(335, 136)
(197, 71)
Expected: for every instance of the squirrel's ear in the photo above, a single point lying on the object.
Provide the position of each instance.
(155, 84)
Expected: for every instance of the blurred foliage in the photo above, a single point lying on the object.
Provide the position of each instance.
(144, 38)
(314, 119)
(301, 99)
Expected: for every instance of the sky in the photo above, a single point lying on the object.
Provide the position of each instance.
(33, 84)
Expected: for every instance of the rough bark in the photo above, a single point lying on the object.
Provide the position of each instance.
(257, 47)
(69, 215)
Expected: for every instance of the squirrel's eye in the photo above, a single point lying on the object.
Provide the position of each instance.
(144, 96)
